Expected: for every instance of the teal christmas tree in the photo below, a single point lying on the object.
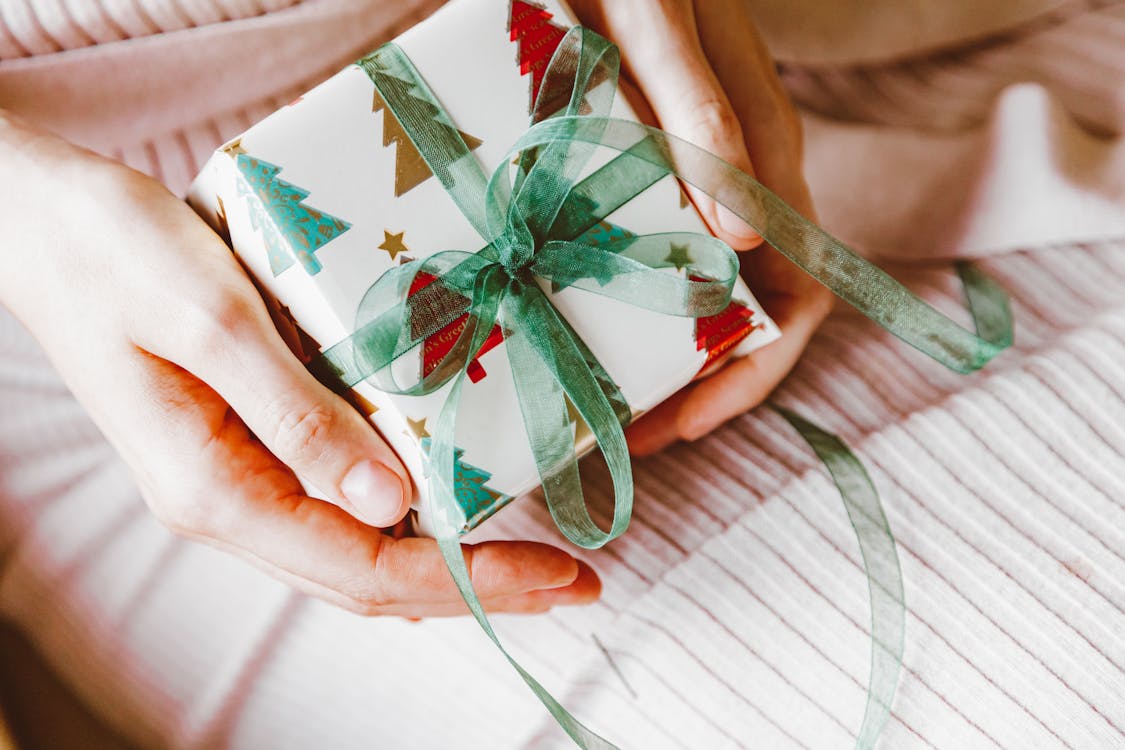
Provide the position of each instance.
(473, 494)
(600, 234)
(292, 230)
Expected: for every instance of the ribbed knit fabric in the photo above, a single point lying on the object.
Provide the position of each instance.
(190, 74)
(735, 611)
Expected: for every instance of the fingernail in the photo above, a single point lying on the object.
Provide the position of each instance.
(738, 229)
(374, 492)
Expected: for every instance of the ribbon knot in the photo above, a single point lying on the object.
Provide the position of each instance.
(515, 249)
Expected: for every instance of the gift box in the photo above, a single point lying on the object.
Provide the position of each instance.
(326, 195)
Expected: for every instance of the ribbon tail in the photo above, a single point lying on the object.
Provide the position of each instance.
(547, 362)
(443, 509)
(582, 735)
(880, 562)
(858, 282)
(988, 305)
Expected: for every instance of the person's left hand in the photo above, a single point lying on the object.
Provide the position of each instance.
(709, 79)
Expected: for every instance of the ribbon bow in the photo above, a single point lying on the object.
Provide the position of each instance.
(533, 225)
(532, 219)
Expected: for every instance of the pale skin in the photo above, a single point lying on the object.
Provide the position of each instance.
(161, 336)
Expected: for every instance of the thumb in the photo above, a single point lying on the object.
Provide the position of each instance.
(235, 349)
(669, 66)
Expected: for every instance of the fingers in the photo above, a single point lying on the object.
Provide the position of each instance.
(797, 304)
(323, 551)
(585, 589)
(771, 128)
(412, 569)
(365, 572)
(227, 340)
(662, 50)
(771, 133)
(309, 428)
(207, 478)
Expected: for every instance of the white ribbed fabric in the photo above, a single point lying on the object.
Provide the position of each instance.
(192, 73)
(735, 608)
(735, 612)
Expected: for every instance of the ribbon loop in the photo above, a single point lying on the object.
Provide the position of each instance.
(552, 363)
(861, 284)
(644, 271)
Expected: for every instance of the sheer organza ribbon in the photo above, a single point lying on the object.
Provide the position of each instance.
(531, 214)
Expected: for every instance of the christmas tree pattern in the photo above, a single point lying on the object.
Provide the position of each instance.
(601, 233)
(437, 346)
(604, 232)
(291, 229)
(718, 334)
(530, 25)
(469, 482)
(411, 169)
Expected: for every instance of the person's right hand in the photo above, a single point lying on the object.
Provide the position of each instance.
(164, 340)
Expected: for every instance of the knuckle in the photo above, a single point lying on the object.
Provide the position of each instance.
(716, 121)
(366, 592)
(221, 319)
(692, 431)
(301, 432)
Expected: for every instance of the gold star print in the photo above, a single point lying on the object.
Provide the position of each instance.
(393, 244)
(234, 148)
(679, 256)
(417, 427)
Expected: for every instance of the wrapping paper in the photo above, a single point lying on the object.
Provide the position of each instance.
(325, 195)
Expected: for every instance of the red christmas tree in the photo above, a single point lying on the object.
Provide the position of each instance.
(437, 346)
(530, 25)
(718, 334)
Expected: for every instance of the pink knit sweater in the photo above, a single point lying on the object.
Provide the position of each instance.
(734, 611)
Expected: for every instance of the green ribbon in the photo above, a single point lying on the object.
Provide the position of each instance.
(531, 216)
(880, 563)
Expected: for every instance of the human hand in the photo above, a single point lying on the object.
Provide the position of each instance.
(709, 79)
(162, 337)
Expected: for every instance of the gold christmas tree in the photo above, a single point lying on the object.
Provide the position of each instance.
(411, 169)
